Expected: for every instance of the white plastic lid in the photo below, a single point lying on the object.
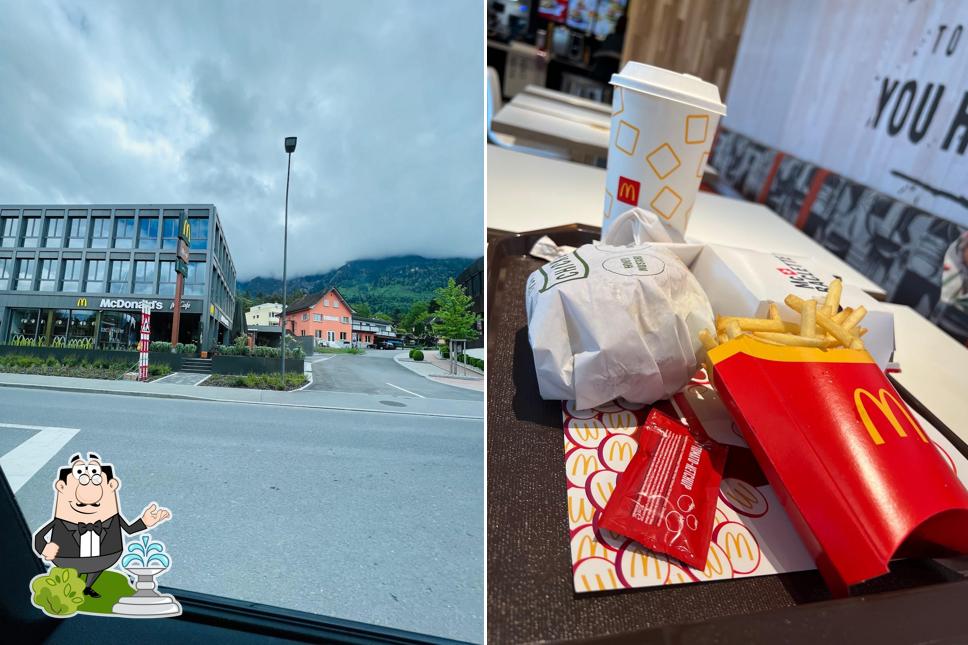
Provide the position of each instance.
(667, 84)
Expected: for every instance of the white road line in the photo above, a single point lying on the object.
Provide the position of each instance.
(407, 391)
(21, 463)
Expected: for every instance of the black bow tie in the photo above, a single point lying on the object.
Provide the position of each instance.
(97, 527)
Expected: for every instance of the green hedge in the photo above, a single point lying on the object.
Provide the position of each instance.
(67, 366)
(417, 355)
(292, 351)
(164, 346)
(470, 360)
(256, 381)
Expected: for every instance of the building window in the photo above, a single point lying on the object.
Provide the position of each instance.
(48, 275)
(72, 276)
(325, 302)
(25, 275)
(144, 276)
(169, 232)
(195, 280)
(305, 317)
(55, 232)
(302, 332)
(23, 324)
(317, 318)
(330, 336)
(95, 276)
(124, 232)
(319, 333)
(77, 233)
(167, 279)
(8, 232)
(101, 232)
(345, 320)
(342, 335)
(31, 232)
(199, 230)
(119, 330)
(120, 276)
(83, 325)
(148, 233)
(5, 264)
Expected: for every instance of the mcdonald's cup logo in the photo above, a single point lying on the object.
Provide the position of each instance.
(81, 302)
(882, 402)
(628, 191)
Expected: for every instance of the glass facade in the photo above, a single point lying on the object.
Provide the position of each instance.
(54, 236)
(48, 275)
(105, 255)
(95, 276)
(71, 281)
(77, 233)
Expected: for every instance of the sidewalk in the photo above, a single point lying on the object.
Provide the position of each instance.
(437, 370)
(317, 399)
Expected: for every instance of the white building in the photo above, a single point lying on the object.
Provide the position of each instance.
(264, 314)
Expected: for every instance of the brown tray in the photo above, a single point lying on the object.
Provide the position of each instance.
(530, 594)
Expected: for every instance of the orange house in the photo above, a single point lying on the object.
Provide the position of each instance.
(324, 315)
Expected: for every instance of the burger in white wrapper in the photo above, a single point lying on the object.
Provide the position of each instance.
(615, 321)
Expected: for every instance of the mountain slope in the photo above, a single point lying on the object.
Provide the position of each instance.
(388, 285)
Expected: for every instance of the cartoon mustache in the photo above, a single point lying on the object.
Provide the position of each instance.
(95, 504)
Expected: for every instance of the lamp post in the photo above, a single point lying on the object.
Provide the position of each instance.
(290, 148)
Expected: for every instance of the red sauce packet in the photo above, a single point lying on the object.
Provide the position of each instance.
(666, 498)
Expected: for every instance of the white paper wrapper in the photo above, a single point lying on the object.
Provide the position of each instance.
(607, 322)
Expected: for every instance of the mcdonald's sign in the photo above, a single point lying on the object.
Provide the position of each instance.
(628, 191)
(185, 229)
(81, 302)
(883, 402)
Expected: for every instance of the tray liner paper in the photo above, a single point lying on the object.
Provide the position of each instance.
(858, 475)
(752, 534)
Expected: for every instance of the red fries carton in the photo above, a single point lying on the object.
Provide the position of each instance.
(855, 472)
(666, 498)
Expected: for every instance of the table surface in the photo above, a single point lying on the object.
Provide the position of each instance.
(526, 192)
(570, 99)
(555, 125)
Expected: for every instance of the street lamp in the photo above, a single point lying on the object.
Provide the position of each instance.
(290, 147)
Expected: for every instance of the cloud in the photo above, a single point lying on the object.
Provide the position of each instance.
(128, 102)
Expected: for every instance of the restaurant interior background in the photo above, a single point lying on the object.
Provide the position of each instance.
(848, 120)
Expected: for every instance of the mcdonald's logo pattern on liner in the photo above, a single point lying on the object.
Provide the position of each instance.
(752, 535)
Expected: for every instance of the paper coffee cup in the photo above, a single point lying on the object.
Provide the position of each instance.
(662, 129)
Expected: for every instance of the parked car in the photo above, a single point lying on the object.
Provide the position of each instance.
(391, 344)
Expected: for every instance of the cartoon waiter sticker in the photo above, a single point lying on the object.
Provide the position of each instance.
(84, 538)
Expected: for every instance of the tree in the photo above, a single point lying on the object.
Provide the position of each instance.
(454, 311)
(362, 309)
(415, 320)
(382, 316)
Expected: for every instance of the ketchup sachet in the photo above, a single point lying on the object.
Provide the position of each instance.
(666, 498)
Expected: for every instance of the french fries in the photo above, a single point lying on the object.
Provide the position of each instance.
(823, 325)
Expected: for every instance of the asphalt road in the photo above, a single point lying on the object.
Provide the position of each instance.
(375, 372)
(373, 517)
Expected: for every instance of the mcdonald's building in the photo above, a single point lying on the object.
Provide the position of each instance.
(78, 275)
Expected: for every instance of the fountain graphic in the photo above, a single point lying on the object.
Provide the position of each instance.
(145, 560)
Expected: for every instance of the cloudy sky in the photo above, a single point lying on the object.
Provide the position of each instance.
(183, 101)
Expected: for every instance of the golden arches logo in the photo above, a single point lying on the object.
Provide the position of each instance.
(586, 430)
(622, 447)
(883, 403)
(644, 559)
(589, 464)
(628, 192)
(187, 229)
(742, 496)
(579, 510)
(591, 544)
(600, 583)
(714, 566)
(735, 543)
(81, 302)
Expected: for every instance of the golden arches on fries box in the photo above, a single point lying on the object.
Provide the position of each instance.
(856, 474)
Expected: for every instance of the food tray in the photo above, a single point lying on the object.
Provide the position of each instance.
(530, 588)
